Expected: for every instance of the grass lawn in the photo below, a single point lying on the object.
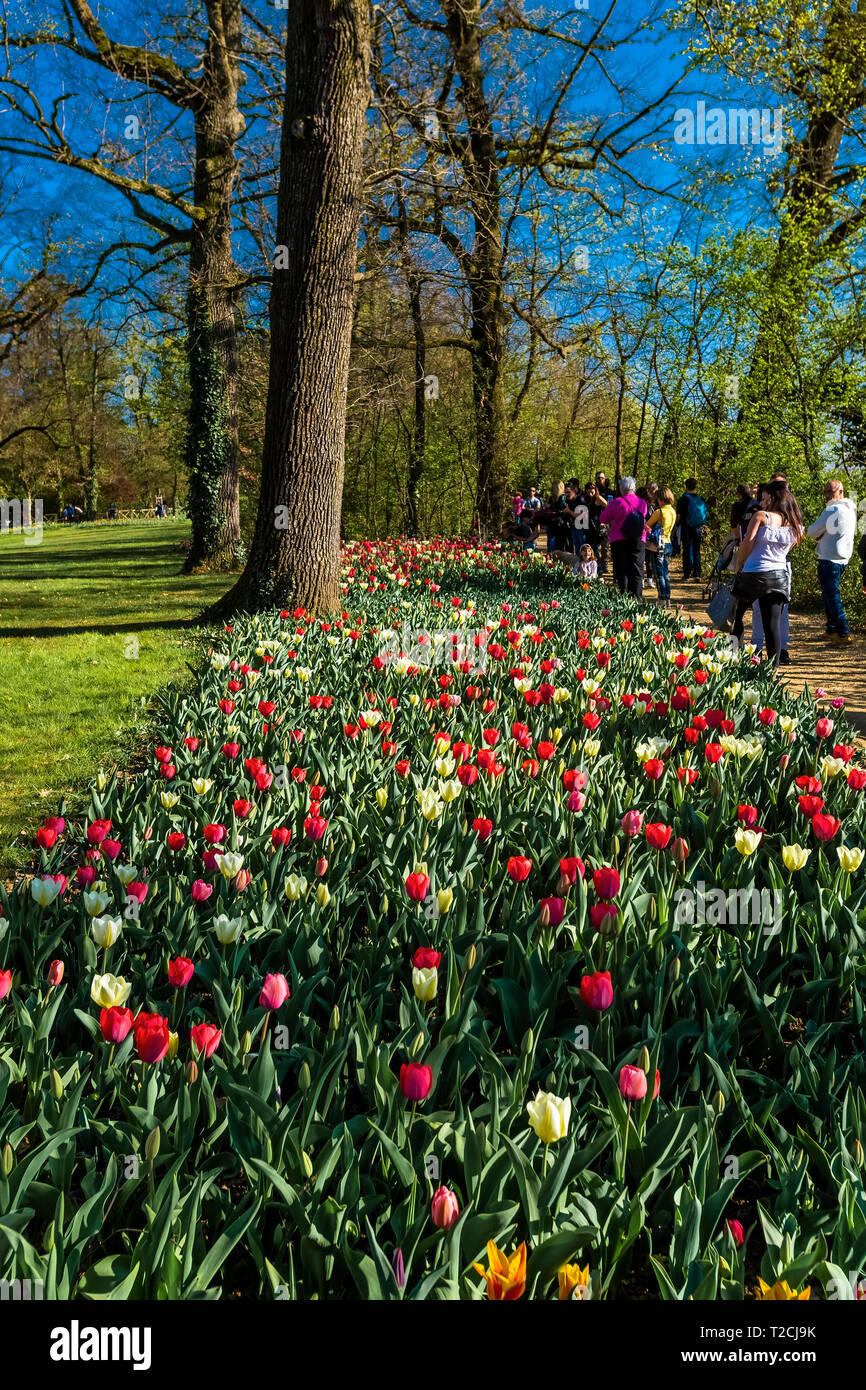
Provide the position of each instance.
(92, 622)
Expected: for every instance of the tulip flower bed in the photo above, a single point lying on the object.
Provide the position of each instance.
(401, 977)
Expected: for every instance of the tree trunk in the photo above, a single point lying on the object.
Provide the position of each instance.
(418, 438)
(484, 266)
(212, 346)
(295, 552)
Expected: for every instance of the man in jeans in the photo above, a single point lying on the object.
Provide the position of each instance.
(834, 531)
(692, 514)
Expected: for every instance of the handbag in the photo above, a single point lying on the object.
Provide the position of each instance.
(721, 608)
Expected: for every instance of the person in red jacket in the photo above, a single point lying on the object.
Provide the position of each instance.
(625, 518)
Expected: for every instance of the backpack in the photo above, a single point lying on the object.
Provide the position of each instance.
(696, 511)
(632, 526)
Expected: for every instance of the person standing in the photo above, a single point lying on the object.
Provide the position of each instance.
(625, 517)
(834, 531)
(692, 513)
(664, 517)
(649, 494)
(784, 619)
(532, 503)
(762, 565)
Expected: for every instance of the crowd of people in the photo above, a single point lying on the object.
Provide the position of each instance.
(632, 534)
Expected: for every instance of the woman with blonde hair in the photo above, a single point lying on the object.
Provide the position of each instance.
(660, 525)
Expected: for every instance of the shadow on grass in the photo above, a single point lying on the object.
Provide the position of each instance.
(103, 629)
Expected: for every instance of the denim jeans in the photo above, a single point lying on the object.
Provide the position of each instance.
(691, 552)
(662, 561)
(829, 577)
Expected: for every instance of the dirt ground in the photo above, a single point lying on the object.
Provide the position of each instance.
(815, 663)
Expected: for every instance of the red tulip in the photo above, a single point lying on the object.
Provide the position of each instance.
(632, 1083)
(111, 847)
(810, 805)
(604, 918)
(736, 1230)
(483, 828)
(55, 973)
(658, 835)
(825, 827)
(824, 728)
(425, 958)
(275, 992)
(518, 868)
(576, 802)
(596, 991)
(45, 837)
(214, 833)
(242, 807)
(5, 982)
(201, 891)
(570, 868)
(280, 835)
(205, 1037)
(315, 827)
(606, 883)
(180, 972)
(654, 768)
(85, 874)
(151, 1035)
(176, 840)
(416, 1081)
(713, 752)
(115, 1023)
(444, 1208)
(97, 831)
(551, 912)
(747, 815)
(417, 886)
(632, 823)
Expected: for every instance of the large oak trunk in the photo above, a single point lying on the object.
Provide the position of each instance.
(295, 553)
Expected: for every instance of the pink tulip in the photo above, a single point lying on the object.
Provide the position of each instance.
(275, 992)
(632, 1083)
(444, 1208)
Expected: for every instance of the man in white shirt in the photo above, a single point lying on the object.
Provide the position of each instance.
(834, 531)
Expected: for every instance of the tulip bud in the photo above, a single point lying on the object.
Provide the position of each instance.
(783, 761)
(307, 1162)
(304, 1078)
(151, 1145)
(470, 958)
(653, 909)
(417, 1045)
(246, 1043)
(674, 972)
(679, 850)
(335, 1018)
(237, 1002)
(856, 1152)
(191, 1072)
(55, 973)
(528, 1042)
(614, 847)
(56, 1084)
(48, 1242)
(467, 878)
(643, 1060)
(544, 916)
(8, 1159)
(719, 1102)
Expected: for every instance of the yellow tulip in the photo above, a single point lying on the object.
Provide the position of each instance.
(323, 897)
(794, 856)
(850, 859)
(95, 902)
(549, 1116)
(109, 991)
(747, 841)
(506, 1274)
(230, 865)
(172, 1045)
(227, 929)
(44, 891)
(781, 1291)
(200, 785)
(169, 800)
(425, 983)
(444, 899)
(573, 1281)
(126, 872)
(382, 797)
(295, 886)
(106, 930)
